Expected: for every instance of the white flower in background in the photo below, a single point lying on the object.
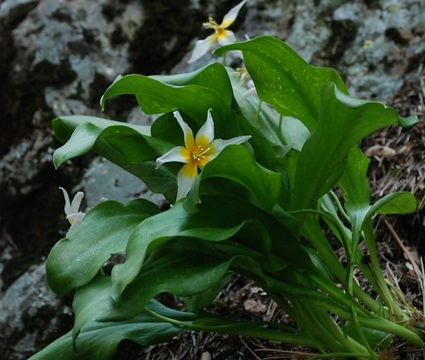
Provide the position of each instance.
(221, 34)
(72, 209)
(197, 152)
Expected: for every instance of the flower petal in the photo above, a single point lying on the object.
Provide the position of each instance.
(205, 134)
(76, 201)
(220, 144)
(231, 16)
(177, 154)
(75, 219)
(202, 47)
(187, 131)
(67, 208)
(185, 179)
(228, 37)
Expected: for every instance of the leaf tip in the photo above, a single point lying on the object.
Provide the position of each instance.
(408, 121)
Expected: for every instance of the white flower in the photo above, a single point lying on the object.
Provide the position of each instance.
(197, 152)
(221, 34)
(72, 209)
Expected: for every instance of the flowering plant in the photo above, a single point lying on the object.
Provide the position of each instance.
(263, 203)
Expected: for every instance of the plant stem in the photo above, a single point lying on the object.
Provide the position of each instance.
(242, 328)
(377, 272)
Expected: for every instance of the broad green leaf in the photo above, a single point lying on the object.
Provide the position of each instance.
(343, 122)
(81, 141)
(283, 79)
(156, 97)
(213, 76)
(280, 130)
(237, 164)
(195, 303)
(354, 181)
(128, 146)
(179, 270)
(99, 340)
(76, 259)
(192, 94)
(183, 268)
(208, 225)
(408, 121)
(216, 219)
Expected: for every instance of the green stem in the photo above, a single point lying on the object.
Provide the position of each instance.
(243, 329)
(339, 206)
(377, 272)
(224, 59)
(314, 234)
(376, 323)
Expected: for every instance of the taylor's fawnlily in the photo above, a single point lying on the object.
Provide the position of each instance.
(196, 153)
(72, 208)
(221, 34)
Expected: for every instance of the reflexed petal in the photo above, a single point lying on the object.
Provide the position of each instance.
(185, 179)
(202, 47)
(221, 144)
(187, 131)
(205, 134)
(67, 208)
(227, 38)
(177, 154)
(76, 201)
(231, 16)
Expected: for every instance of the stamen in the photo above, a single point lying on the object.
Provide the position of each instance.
(200, 152)
(211, 24)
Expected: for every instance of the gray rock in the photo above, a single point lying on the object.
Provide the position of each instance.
(26, 310)
(13, 11)
(104, 180)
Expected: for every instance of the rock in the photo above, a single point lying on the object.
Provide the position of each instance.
(13, 11)
(104, 180)
(26, 311)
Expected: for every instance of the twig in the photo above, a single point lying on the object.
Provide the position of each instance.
(419, 272)
(249, 349)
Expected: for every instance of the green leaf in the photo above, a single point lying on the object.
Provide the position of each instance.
(377, 339)
(237, 164)
(183, 267)
(213, 76)
(354, 181)
(343, 122)
(193, 99)
(75, 260)
(206, 225)
(81, 141)
(99, 340)
(215, 220)
(128, 146)
(408, 121)
(283, 79)
(397, 203)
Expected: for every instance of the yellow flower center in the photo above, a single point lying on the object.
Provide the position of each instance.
(220, 30)
(200, 153)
